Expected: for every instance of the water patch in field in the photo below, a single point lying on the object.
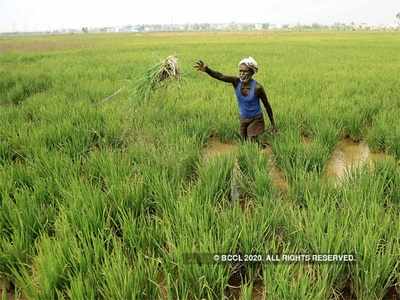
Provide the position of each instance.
(349, 155)
(277, 176)
(215, 148)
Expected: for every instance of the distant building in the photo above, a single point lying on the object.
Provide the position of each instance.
(128, 28)
(108, 29)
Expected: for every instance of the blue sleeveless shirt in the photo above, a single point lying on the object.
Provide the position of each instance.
(249, 106)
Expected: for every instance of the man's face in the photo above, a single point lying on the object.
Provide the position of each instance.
(245, 73)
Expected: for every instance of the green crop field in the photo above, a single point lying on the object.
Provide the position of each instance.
(131, 198)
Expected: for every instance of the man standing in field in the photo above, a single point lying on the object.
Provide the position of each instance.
(248, 94)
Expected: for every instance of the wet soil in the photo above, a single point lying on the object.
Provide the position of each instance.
(215, 147)
(349, 155)
(277, 176)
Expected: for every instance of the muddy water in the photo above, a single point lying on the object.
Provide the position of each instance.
(215, 147)
(277, 176)
(349, 155)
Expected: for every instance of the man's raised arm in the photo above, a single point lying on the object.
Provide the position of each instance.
(201, 66)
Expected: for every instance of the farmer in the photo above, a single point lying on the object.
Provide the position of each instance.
(248, 94)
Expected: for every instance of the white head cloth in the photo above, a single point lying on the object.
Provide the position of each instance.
(250, 62)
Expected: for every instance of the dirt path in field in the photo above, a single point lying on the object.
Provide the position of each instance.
(349, 155)
(277, 176)
(215, 148)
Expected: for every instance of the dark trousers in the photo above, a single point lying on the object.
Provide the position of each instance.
(251, 127)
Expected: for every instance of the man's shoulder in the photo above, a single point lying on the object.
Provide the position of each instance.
(259, 86)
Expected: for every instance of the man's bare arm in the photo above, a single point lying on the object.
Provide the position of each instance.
(201, 66)
(222, 77)
(263, 96)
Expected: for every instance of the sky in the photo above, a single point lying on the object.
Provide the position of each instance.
(37, 15)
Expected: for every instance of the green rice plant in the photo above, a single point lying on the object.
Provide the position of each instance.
(294, 280)
(377, 134)
(77, 256)
(256, 167)
(371, 230)
(262, 233)
(84, 209)
(382, 137)
(17, 145)
(11, 153)
(388, 172)
(82, 287)
(181, 154)
(16, 89)
(188, 233)
(6, 83)
(49, 273)
(69, 137)
(151, 242)
(321, 234)
(120, 279)
(159, 190)
(101, 202)
(53, 171)
(27, 211)
(246, 291)
(292, 155)
(355, 120)
(214, 180)
(327, 135)
(318, 234)
(302, 185)
(377, 255)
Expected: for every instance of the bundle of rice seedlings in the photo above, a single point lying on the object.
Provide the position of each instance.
(158, 76)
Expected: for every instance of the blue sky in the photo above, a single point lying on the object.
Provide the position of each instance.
(28, 15)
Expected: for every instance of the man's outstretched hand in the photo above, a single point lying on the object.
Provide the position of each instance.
(272, 130)
(200, 66)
